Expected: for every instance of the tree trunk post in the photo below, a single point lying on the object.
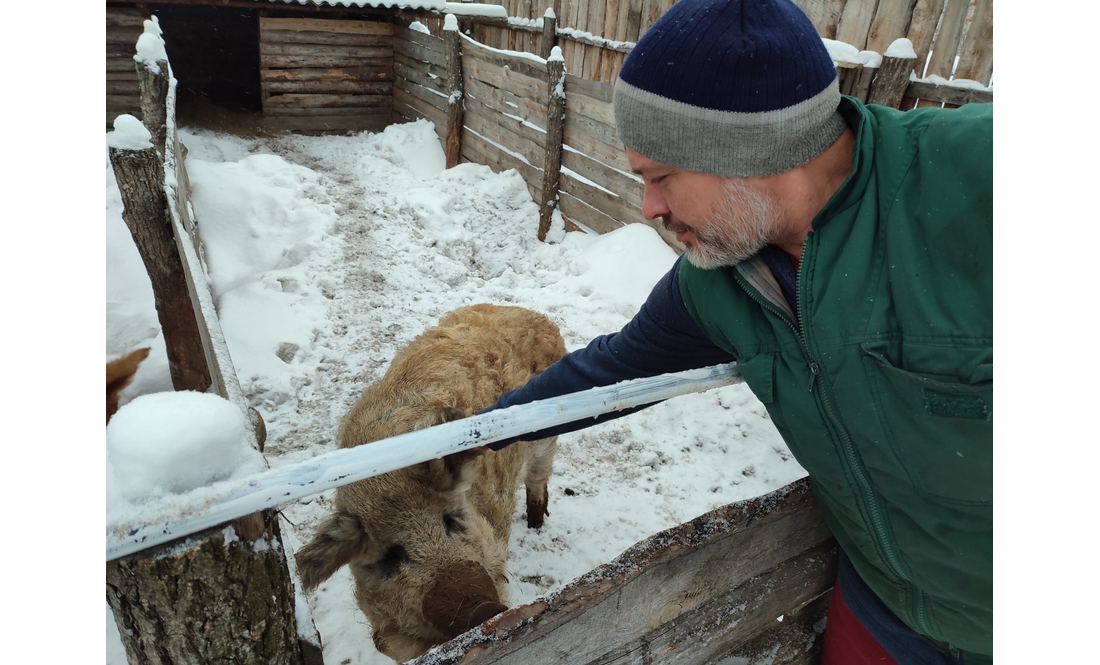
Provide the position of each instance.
(549, 33)
(452, 45)
(153, 83)
(555, 125)
(146, 214)
(213, 598)
(890, 83)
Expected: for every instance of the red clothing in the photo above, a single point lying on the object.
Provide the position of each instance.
(847, 641)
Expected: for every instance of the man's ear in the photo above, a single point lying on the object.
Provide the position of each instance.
(338, 540)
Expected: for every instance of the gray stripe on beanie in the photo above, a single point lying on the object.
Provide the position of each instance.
(726, 142)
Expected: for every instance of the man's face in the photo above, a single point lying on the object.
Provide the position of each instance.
(720, 220)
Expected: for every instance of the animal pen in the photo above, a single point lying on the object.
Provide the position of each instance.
(511, 86)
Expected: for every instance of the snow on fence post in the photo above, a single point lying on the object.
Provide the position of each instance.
(555, 127)
(225, 594)
(549, 33)
(452, 47)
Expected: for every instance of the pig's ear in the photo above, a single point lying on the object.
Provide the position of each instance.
(454, 473)
(338, 540)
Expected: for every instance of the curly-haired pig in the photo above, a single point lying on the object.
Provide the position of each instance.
(427, 544)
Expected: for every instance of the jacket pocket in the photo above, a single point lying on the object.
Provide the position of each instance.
(940, 432)
(759, 373)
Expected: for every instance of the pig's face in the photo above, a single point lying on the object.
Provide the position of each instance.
(425, 562)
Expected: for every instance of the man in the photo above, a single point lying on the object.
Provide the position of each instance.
(842, 255)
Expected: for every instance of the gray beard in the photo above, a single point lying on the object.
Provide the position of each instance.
(737, 228)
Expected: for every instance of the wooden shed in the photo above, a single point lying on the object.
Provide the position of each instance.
(302, 65)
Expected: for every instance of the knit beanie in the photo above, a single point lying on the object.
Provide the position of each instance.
(729, 87)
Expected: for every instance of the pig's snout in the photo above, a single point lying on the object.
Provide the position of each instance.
(462, 597)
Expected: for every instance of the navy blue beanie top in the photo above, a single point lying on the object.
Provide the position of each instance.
(730, 87)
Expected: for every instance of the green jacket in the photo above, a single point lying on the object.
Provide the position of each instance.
(885, 394)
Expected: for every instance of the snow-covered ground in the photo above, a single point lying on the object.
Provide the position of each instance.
(327, 254)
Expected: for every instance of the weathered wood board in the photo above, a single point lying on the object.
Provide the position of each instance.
(688, 595)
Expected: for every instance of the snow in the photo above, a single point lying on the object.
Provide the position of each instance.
(129, 134)
(327, 254)
(150, 45)
(174, 442)
(901, 48)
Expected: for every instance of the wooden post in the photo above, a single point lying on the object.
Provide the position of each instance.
(153, 83)
(555, 126)
(549, 33)
(145, 212)
(452, 45)
(892, 79)
(214, 598)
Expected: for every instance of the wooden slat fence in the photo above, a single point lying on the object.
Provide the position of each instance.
(326, 74)
(595, 35)
(505, 127)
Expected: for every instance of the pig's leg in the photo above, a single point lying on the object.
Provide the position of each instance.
(538, 475)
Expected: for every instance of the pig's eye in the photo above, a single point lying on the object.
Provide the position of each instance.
(453, 526)
(392, 560)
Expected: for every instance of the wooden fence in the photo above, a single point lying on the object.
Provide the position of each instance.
(507, 107)
(595, 35)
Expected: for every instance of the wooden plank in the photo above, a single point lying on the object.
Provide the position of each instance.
(939, 94)
(922, 28)
(596, 129)
(504, 78)
(324, 38)
(126, 16)
(855, 23)
(629, 188)
(334, 74)
(418, 73)
(328, 87)
(377, 57)
(476, 149)
(282, 112)
(633, 21)
(490, 128)
(429, 43)
(793, 640)
(414, 96)
(947, 39)
(687, 595)
(580, 140)
(415, 51)
(610, 204)
(516, 64)
(976, 51)
(370, 123)
(437, 97)
(891, 22)
(824, 14)
(553, 148)
(124, 35)
(326, 50)
(295, 100)
(891, 82)
(326, 25)
(524, 131)
(579, 103)
(120, 64)
(578, 212)
(403, 110)
(123, 88)
(130, 75)
(503, 101)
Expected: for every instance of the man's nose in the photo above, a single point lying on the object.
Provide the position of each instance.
(653, 203)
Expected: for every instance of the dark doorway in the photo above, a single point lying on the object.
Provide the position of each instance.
(215, 56)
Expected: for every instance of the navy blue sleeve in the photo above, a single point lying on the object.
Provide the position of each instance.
(661, 338)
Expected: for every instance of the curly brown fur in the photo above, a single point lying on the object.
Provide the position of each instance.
(406, 533)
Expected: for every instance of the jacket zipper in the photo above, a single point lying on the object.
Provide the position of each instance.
(869, 497)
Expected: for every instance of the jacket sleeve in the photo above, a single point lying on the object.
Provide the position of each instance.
(661, 338)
